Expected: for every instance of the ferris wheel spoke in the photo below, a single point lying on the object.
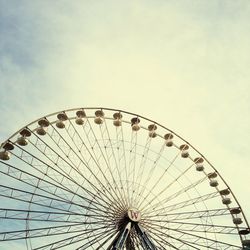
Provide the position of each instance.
(186, 243)
(198, 239)
(158, 238)
(44, 232)
(143, 161)
(123, 159)
(46, 216)
(131, 164)
(74, 168)
(104, 239)
(150, 172)
(176, 240)
(184, 204)
(121, 162)
(212, 243)
(64, 175)
(107, 156)
(193, 215)
(70, 150)
(196, 227)
(184, 190)
(160, 178)
(83, 236)
(50, 188)
(193, 244)
(174, 181)
(92, 238)
(34, 198)
(142, 165)
(94, 157)
(47, 187)
(106, 138)
(178, 193)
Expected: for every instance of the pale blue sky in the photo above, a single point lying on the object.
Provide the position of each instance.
(183, 63)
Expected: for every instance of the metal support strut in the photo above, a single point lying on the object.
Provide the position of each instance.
(120, 240)
(145, 239)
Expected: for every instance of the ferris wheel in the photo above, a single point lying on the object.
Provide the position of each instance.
(100, 178)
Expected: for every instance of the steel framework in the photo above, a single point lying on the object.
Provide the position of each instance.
(100, 178)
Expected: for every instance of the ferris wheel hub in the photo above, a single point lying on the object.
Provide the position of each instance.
(134, 214)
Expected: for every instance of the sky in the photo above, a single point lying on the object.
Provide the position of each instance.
(184, 64)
